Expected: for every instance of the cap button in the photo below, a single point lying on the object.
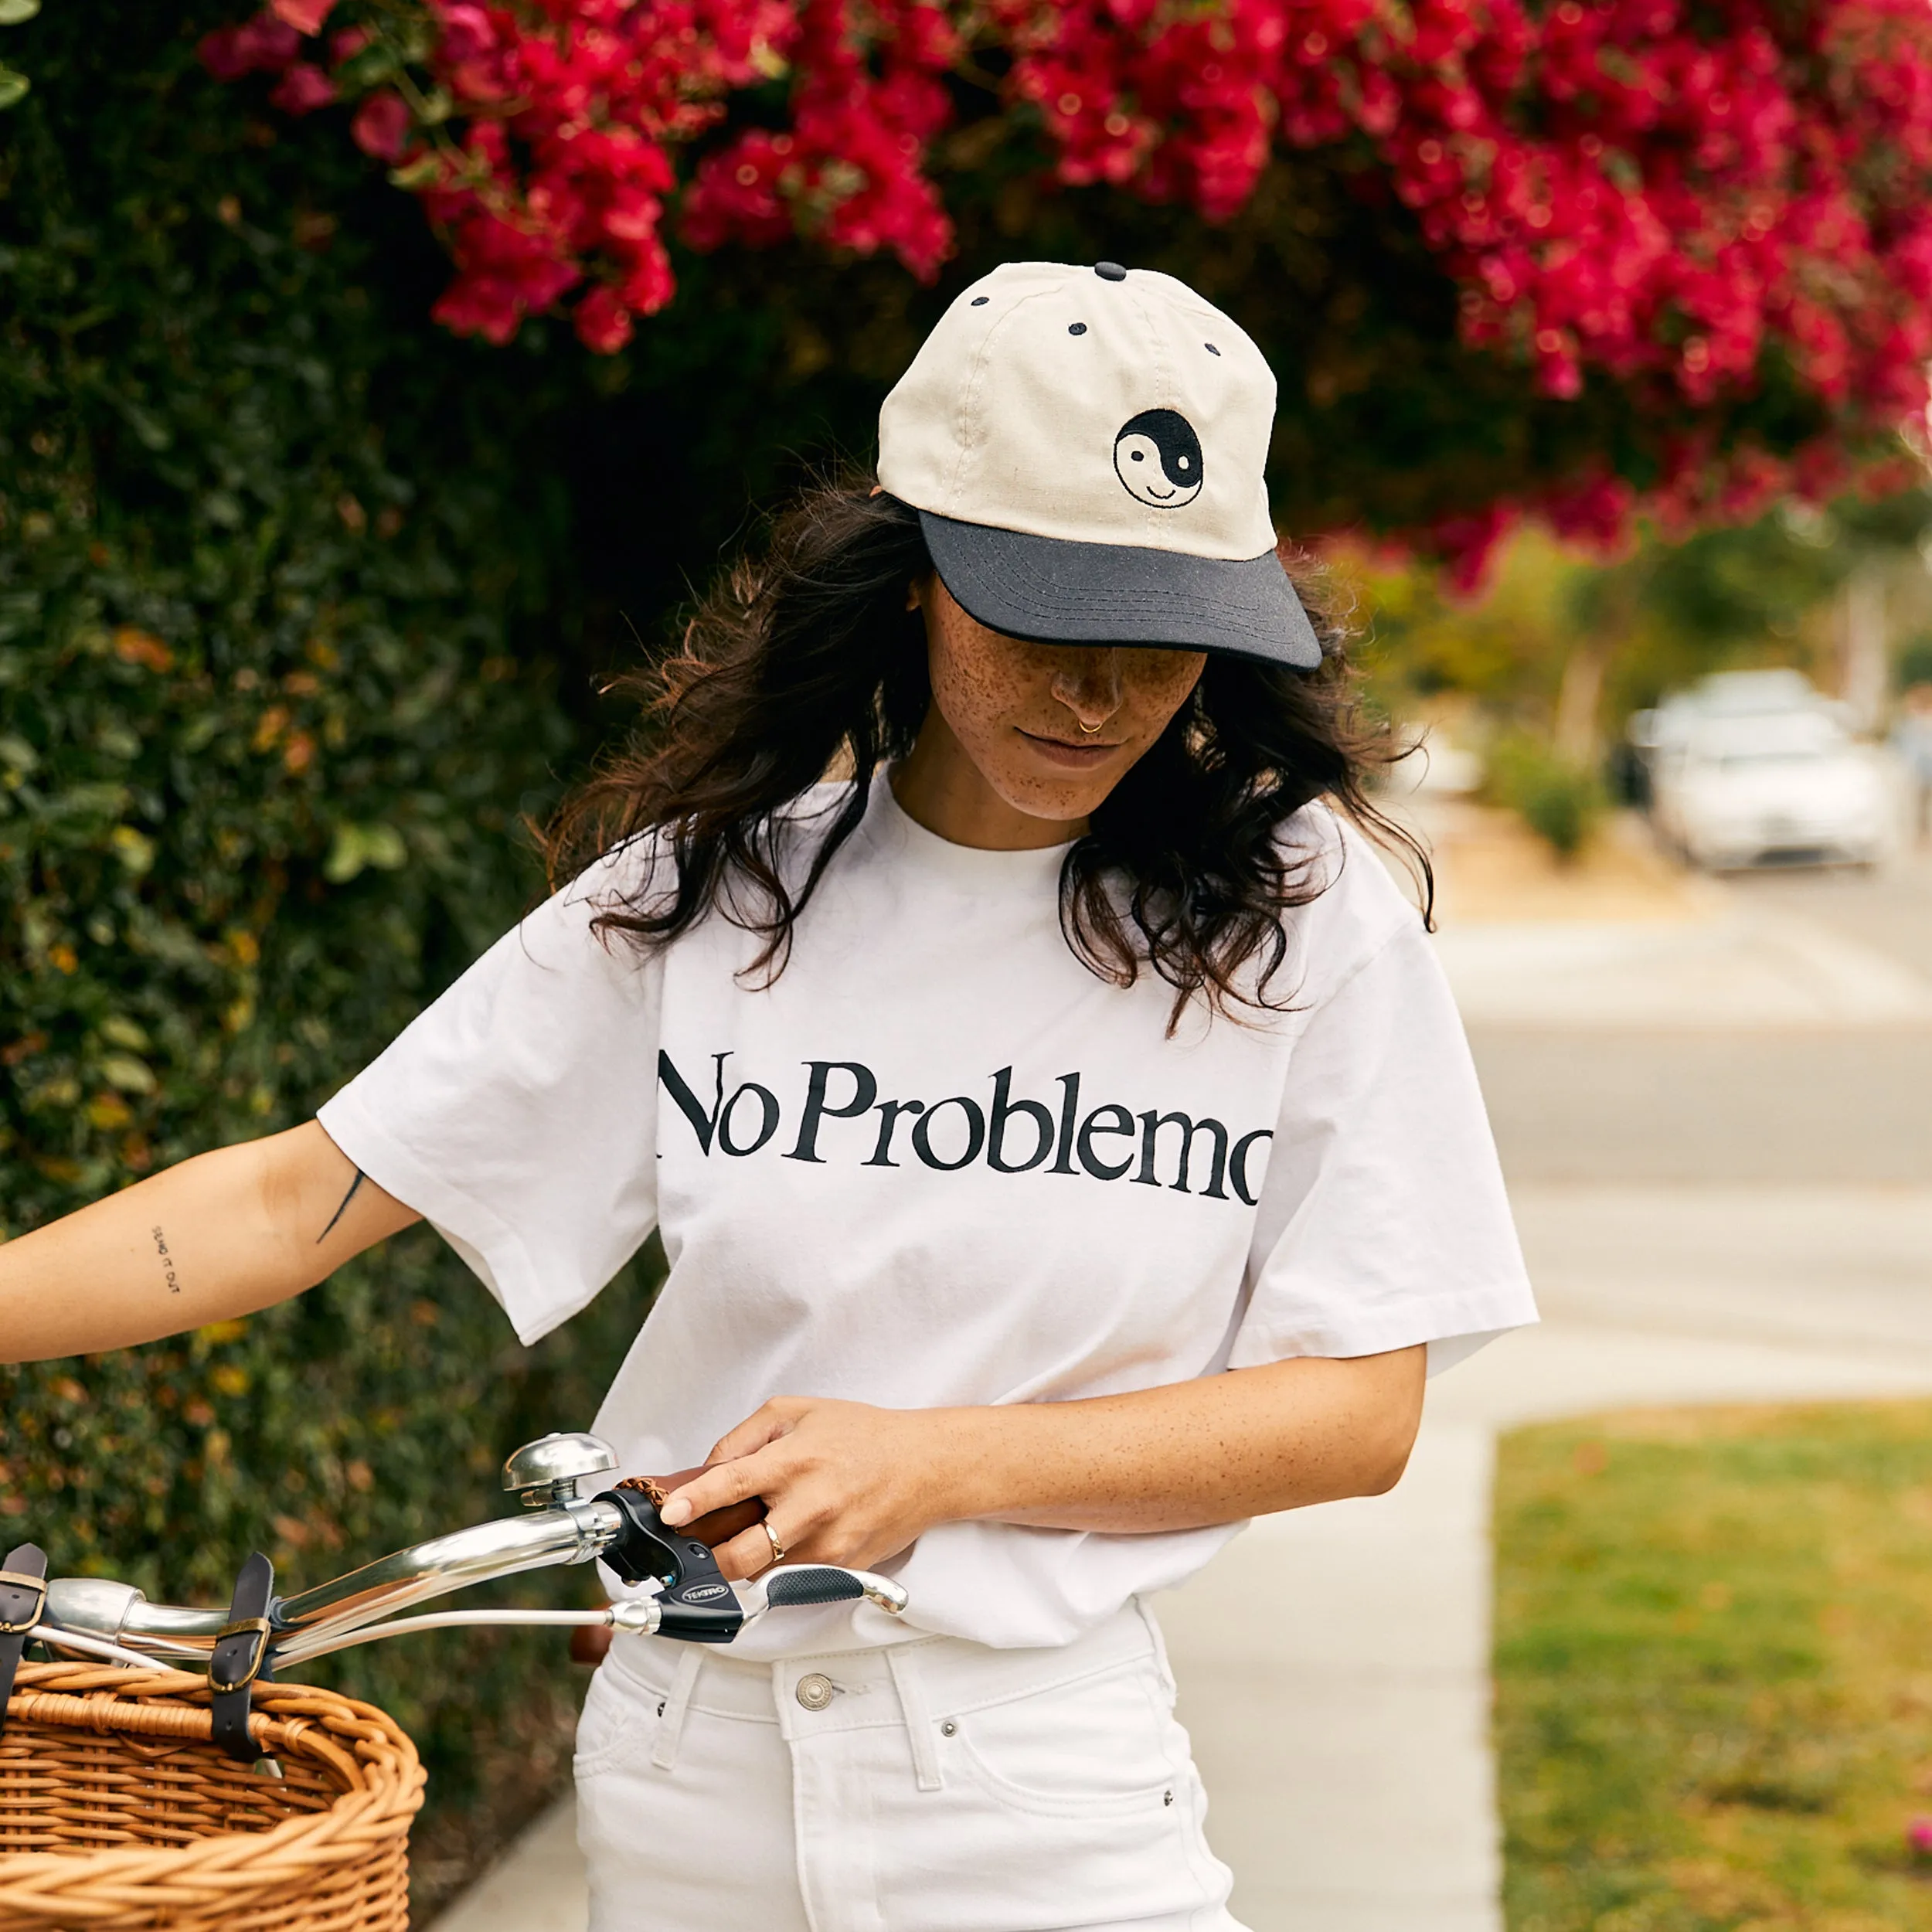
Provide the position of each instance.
(1109, 271)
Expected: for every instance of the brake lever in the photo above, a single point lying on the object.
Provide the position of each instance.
(698, 1606)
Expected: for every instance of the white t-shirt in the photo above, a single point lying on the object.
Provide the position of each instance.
(939, 1161)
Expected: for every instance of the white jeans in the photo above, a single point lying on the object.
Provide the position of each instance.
(934, 1786)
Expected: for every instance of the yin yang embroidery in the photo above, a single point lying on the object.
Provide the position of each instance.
(1158, 457)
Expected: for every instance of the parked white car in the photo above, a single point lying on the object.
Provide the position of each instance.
(1725, 694)
(1736, 787)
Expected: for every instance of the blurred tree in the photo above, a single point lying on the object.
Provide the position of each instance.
(1565, 648)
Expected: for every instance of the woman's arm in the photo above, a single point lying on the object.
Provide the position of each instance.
(221, 1235)
(845, 1483)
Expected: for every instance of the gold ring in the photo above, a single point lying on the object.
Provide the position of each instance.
(1091, 730)
(771, 1537)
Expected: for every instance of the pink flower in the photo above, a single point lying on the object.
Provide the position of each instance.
(1617, 191)
(468, 33)
(380, 127)
(603, 323)
(263, 45)
(302, 88)
(1596, 512)
(1468, 544)
(1918, 1835)
(306, 16)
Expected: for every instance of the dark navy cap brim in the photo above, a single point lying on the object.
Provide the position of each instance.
(1049, 590)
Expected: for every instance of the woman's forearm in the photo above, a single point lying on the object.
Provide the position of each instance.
(845, 1482)
(220, 1236)
(1211, 1450)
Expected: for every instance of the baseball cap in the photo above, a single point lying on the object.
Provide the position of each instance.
(1085, 448)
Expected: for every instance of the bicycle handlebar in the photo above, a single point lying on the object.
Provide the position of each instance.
(692, 1602)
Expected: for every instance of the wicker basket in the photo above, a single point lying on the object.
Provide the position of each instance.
(116, 1811)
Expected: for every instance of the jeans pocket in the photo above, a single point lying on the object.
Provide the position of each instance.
(619, 1719)
(1101, 1745)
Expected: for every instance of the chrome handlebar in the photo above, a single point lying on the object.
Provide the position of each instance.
(555, 1529)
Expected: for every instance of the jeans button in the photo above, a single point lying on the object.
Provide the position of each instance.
(815, 1692)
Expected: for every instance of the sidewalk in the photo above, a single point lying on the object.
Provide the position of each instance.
(538, 1887)
(1621, 937)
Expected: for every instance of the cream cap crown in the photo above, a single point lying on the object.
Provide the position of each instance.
(1087, 449)
(1015, 412)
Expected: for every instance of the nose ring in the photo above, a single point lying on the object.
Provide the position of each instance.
(1089, 729)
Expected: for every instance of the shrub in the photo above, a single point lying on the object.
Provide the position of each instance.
(277, 580)
(1560, 801)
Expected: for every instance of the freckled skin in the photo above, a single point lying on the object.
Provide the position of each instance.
(1024, 740)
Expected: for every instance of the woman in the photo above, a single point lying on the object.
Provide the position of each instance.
(1062, 1138)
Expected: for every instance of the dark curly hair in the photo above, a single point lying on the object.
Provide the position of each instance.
(803, 660)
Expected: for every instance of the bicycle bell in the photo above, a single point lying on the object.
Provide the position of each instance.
(546, 1472)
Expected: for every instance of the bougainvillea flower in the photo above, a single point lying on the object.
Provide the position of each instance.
(1679, 199)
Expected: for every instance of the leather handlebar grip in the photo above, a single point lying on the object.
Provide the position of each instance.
(719, 1525)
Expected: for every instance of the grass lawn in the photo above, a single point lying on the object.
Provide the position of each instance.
(1714, 1669)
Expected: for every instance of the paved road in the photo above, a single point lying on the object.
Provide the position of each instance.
(1891, 909)
(1816, 1105)
(1698, 1108)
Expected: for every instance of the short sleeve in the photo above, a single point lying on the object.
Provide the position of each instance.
(1382, 1221)
(517, 1113)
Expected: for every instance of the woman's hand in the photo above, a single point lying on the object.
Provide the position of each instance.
(843, 1482)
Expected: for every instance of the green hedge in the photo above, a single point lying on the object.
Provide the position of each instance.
(280, 591)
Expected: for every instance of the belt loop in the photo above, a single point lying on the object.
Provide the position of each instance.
(918, 1719)
(664, 1753)
(1159, 1638)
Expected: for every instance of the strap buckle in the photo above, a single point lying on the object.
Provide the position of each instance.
(36, 1587)
(23, 1602)
(243, 1655)
(256, 1655)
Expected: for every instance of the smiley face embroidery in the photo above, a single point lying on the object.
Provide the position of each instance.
(1158, 457)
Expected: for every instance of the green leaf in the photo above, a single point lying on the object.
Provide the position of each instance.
(346, 857)
(94, 800)
(424, 171)
(13, 12)
(13, 87)
(131, 1076)
(134, 850)
(356, 846)
(385, 847)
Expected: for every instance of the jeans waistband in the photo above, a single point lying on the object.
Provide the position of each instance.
(955, 1675)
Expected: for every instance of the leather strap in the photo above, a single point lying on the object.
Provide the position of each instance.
(241, 1657)
(23, 1596)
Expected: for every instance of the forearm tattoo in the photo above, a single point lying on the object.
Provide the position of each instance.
(341, 1211)
(166, 1261)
